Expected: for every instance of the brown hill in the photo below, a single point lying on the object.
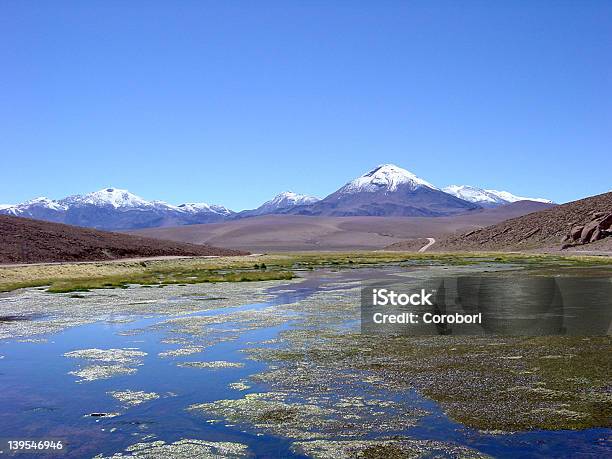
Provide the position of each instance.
(34, 241)
(539, 230)
(273, 233)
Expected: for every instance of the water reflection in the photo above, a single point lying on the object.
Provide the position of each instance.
(524, 306)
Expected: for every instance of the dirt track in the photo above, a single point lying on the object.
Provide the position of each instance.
(431, 242)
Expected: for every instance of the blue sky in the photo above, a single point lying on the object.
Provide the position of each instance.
(231, 102)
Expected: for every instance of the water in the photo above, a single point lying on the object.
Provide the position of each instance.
(39, 399)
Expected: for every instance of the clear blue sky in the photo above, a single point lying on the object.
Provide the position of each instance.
(231, 102)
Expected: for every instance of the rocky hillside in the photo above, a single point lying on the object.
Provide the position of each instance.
(577, 222)
(23, 240)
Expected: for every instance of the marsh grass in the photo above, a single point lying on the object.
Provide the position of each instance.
(75, 277)
(508, 384)
(160, 279)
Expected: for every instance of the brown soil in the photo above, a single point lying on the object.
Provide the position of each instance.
(274, 233)
(33, 241)
(535, 231)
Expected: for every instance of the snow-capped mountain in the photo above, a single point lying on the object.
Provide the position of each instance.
(195, 207)
(113, 197)
(387, 190)
(509, 197)
(40, 208)
(281, 203)
(42, 202)
(116, 209)
(487, 198)
(288, 199)
(386, 177)
(475, 195)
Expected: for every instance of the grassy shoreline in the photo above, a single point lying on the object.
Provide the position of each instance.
(69, 277)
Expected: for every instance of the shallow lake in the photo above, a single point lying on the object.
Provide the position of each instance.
(107, 369)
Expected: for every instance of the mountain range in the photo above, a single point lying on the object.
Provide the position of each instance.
(386, 190)
(112, 208)
(487, 198)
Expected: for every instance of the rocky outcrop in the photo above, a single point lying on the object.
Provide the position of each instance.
(598, 227)
(573, 223)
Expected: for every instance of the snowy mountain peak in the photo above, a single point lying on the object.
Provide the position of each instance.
(281, 203)
(195, 207)
(487, 198)
(289, 198)
(386, 177)
(114, 197)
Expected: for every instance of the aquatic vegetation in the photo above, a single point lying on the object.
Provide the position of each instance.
(183, 449)
(47, 314)
(133, 398)
(336, 392)
(182, 351)
(387, 449)
(107, 363)
(292, 414)
(213, 365)
(269, 411)
(95, 372)
(208, 325)
(490, 383)
(468, 376)
(125, 356)
(240, 385)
